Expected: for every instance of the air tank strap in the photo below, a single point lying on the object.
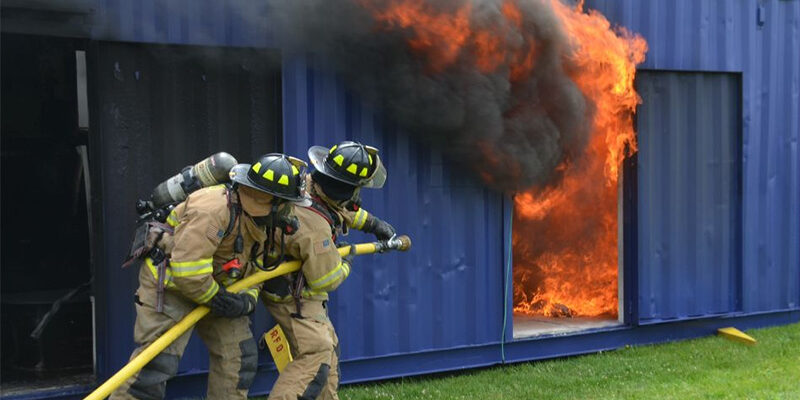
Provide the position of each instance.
(234, 207)
(190, 182)
(319, 207)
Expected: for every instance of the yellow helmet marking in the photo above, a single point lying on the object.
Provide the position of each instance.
(257, 167)
(370, 159)
(338, 159)
(295, 171)
(353, 169)
(364, 172)
(333, 149)
(284, 180)
(270, 174)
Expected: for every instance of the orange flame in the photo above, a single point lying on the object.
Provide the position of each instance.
(445, 37)
(438, 35)
(565, 236)
(572, 270)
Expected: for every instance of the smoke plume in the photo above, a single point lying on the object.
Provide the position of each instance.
(488, 81)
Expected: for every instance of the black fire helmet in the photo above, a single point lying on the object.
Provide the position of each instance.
(276, 174)
(350, 162)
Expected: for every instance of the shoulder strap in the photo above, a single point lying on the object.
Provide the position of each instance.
(318, 207)
(234, 208)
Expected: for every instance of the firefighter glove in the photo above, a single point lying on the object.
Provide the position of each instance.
(380, 228)
(231, 305)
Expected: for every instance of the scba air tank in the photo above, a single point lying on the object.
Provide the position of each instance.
(209, 172)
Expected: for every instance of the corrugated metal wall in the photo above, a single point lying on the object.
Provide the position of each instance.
(447, 291)
(396, 303)
(689, 193)
(760, 40)
(203, 22)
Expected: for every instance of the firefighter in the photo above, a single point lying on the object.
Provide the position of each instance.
(298, 301)
(218, 233)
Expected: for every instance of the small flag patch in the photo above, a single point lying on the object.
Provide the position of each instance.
(322, 246)
(215, 234)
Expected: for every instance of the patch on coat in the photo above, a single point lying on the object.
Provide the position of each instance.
(322, 246)
(214, 234)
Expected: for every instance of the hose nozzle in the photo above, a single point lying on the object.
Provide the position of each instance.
(402, 243)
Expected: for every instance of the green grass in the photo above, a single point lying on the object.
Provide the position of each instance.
(707, 368)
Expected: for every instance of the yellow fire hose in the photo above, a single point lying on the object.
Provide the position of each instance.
(401, 243)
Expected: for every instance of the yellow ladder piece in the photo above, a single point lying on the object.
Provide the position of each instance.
(734, 334)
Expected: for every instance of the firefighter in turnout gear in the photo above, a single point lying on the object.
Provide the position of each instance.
(219, 234)
(298, 301)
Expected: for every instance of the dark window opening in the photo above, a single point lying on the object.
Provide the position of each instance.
(47, 305)
(87, 129)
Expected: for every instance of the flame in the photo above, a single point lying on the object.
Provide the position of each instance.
(607, 60)
(565, 236)
(445, 37)
(438, 35)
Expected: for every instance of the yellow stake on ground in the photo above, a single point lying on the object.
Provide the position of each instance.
(734, 334)
(402, 243)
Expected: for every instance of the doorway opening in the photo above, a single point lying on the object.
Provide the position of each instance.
(567, 247)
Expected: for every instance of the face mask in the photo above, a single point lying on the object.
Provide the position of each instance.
(337, 191)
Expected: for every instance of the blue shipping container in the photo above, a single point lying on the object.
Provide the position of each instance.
(714, 238)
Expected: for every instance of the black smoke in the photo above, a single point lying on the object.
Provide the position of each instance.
(513, 133)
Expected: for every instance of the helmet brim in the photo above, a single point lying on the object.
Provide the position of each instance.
(238, 174)
(378, 178)
(318, 154)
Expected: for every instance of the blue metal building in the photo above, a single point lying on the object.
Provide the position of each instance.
(711, 227)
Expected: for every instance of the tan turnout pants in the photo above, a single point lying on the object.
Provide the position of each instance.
(314, 371)
(233, 355)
